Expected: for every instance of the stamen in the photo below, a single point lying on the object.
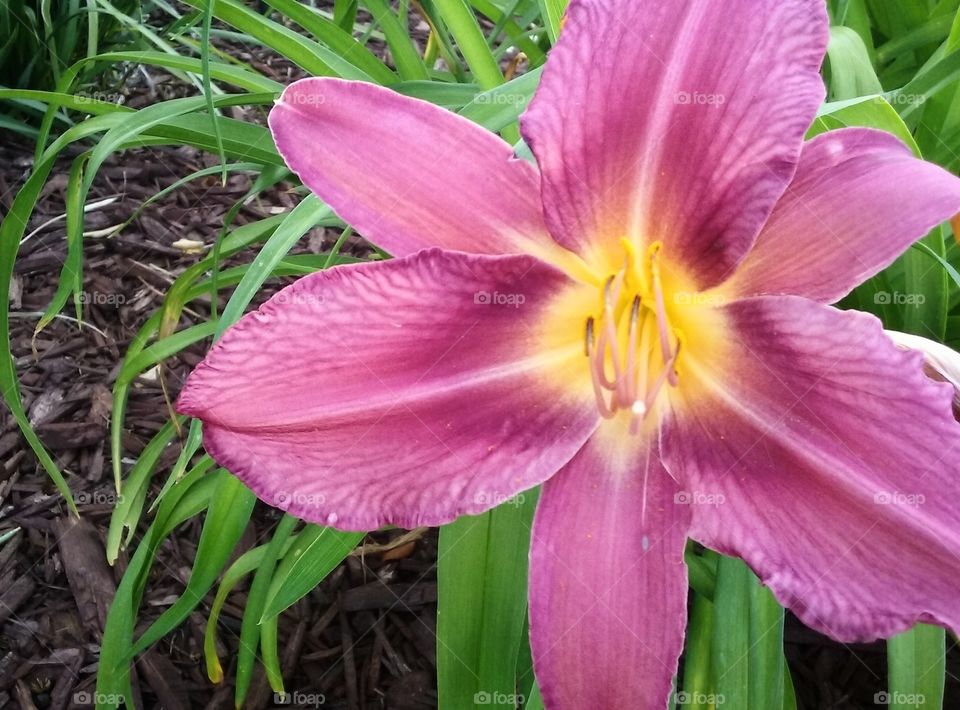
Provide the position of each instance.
(629, 392)
(606, 411)
(662, 320)
(609, 336)
(664, 376)
(636, 325)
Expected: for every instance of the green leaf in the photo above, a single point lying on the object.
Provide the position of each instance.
(250, 626)
(317, 552)
(851, 73)
(533, 700)
(497, 108)
(241, 77)
(552, 13)
(227, 518)
(747, 644)
(941, 72)
(482, 584)
(869, 111)
(916, 667)
(464, 28)
(208, 85)
(244, 565)
(337, 39)
(410, 66)
(698, 690)
(187, 499)
(926, 289)
(126, 514)
(309, 55)
(306, 215)
(505, 23)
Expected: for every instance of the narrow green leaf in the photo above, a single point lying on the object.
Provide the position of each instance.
(70, 275)
(269, 648)
(851, 73)
(940, 73)
(926, 289)
(534, 701)
(317, 552)
(226, 520)
(789, 692)
(463, 25)
(482, 583)
(244, 565)
(207, 83)
(504, 22)
(747, 644)
(916, 667)
(126, 514)
(309, 55)
(698, 690)
(250, 626)
(497, 108)
(409, 64)
(58, 99)
(113, 674)
(552, 13)
(340, 41)
(241, 77)
(932, 32)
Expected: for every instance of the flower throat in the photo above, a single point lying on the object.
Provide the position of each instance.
(630, 343)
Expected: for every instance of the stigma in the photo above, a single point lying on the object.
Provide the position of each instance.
(629, 341)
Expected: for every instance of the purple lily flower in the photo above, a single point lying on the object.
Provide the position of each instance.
(642, 323)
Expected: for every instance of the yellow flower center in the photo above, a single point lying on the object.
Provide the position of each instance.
(639, 319)
(630, 342)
